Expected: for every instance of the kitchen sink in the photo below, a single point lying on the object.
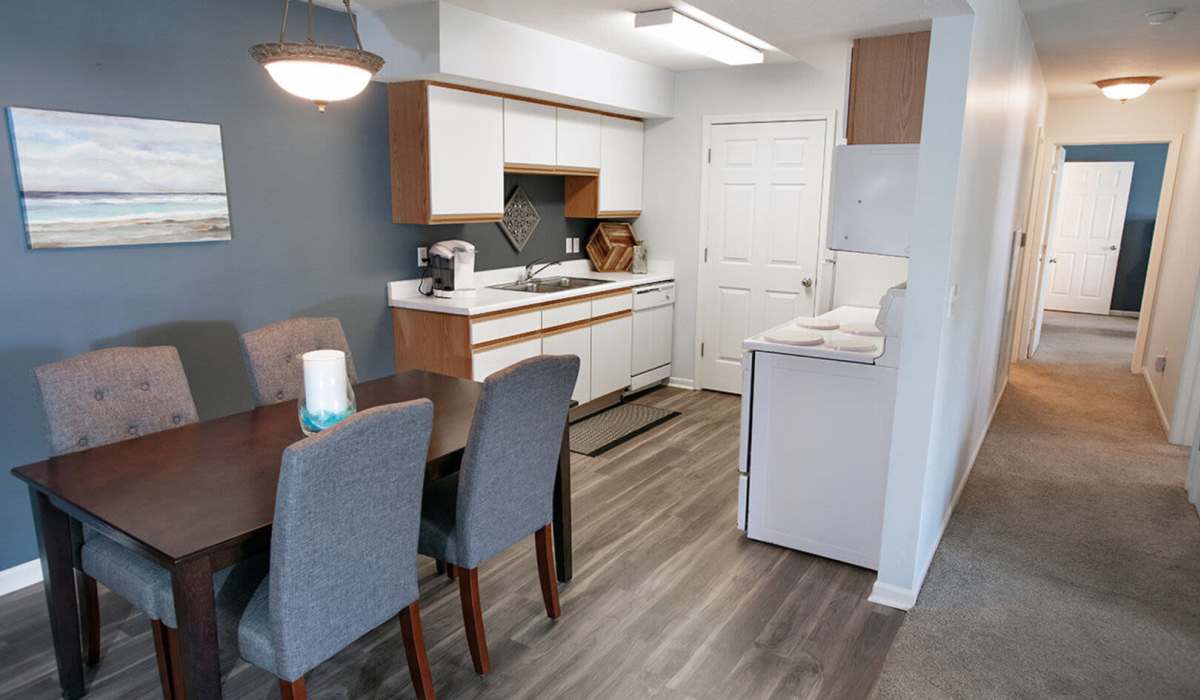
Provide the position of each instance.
(545, 285)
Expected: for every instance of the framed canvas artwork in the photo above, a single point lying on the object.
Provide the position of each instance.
(94, 180)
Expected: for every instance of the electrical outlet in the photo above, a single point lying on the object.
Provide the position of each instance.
(568, 245)
(575, 244)
(1160, 363)
(422, 256)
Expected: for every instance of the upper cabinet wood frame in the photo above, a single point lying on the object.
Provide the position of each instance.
(887, 89)
(440, 177)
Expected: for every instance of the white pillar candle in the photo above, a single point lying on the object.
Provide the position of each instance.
(325, 382)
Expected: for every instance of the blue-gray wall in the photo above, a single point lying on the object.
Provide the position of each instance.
(1150, 159)
(309, 201)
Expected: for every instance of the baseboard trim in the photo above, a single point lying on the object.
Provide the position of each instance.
(893, 596)
(1126, 314)
(1162, 415)
(905, 598)
(20, 576)
(682, 383)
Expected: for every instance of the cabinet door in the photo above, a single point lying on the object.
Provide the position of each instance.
(485, 362)
(529, 133)
(575, 342)
(620, 165)
(578, 139)
(612, 345)
(466, 153)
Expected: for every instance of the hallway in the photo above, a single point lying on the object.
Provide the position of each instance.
(1071, 565)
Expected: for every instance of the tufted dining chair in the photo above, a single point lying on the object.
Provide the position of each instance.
(272, 355)
(343, 546)
(503, 491)
(103, 397)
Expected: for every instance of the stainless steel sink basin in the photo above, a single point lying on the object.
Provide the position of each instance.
(545, 285)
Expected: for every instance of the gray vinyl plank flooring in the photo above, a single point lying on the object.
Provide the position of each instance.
(669, 601)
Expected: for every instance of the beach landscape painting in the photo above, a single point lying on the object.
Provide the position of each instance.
(96, 180)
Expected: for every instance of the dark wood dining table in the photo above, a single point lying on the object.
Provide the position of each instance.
(198, 498)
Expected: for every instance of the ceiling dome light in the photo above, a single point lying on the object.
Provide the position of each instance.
(322, 73)
(1125, 89)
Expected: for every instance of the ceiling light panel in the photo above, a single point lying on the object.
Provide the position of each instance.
(687, 33)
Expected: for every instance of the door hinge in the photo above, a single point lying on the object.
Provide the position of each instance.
(701, 349)
(706, 255)
(1023, 237)
(710, 155)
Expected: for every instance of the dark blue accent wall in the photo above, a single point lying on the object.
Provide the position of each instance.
(309, 198)
(1150, 159)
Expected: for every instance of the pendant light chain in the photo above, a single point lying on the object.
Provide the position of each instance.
(353, 24)
(283, 25)
(310, 22)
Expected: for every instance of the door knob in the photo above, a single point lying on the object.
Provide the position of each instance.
(806, 282)
(1052, 260)
(1112, 247)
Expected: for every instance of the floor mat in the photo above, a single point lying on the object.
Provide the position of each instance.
(603, 431)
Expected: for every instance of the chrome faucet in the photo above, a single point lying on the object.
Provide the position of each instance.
(530, 273)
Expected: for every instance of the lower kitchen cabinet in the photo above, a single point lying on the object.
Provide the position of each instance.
(487, 361)
(576, 341)
(612, 347)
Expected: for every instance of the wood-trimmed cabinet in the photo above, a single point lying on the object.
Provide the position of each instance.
(451, 145)
(598, 328)
(447, 154)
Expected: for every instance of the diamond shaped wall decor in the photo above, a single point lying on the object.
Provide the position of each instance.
(520, 219)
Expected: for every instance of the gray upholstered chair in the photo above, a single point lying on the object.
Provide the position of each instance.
(107, 396)
(503, 490)
(271, 354)
(343, 546)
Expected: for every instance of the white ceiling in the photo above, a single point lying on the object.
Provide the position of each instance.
(1082, 41)
(785, 24)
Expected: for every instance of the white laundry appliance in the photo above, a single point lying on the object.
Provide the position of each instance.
(817, 405)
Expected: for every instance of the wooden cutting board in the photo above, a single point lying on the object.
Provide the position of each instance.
(611, 247)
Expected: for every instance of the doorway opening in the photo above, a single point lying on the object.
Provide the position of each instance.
(1098, 249)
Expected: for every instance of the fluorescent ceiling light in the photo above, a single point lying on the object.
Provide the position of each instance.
(687, 33)
(1126, 88)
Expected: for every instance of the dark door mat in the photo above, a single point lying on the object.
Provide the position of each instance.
(603, 431)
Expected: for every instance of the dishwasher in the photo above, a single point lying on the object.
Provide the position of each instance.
(653, 329)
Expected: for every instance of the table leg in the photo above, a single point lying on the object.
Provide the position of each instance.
(195, 609)
(58, 580)
(562, 509)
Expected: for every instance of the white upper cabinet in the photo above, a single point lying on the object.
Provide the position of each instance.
(529, 133)
(621, 144)
(466, 153)
(578, 139)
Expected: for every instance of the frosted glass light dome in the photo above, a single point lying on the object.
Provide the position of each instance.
(322, 73)
(1123, 89)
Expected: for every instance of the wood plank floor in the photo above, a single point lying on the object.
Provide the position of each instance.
(669, 601)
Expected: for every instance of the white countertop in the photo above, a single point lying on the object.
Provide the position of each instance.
(404, 295)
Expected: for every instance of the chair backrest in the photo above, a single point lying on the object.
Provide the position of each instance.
(272, 355)
(344, 540)
(111, 395)
(507, 475)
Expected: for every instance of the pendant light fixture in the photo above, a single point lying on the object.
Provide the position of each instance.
(322, 73)
(1125, 89)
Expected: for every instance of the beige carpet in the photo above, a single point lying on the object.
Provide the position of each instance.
(1071, 566)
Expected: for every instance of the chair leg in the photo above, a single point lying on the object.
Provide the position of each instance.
(451, 571)
(89, 613)
(468, 591)
(293, 690)
(439, 565)
(544, 553)
(175, 662)
(414, 650)
(162, 652)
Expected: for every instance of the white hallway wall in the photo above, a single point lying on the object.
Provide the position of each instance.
(1171, 331)
(973, 162)
(670, 221)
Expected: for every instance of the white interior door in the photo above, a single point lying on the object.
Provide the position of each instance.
(762, 237)
(1044, 252)
(1087, 227)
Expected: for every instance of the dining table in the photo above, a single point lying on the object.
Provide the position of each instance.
(201, 497)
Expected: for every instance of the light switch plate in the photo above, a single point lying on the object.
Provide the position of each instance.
(575, 244)
(952, 301)
(422, 256)
(569, 245)
(1160, 363)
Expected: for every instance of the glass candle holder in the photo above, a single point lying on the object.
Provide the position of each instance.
(328, 397)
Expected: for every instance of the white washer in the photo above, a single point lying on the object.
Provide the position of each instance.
(816, 433)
